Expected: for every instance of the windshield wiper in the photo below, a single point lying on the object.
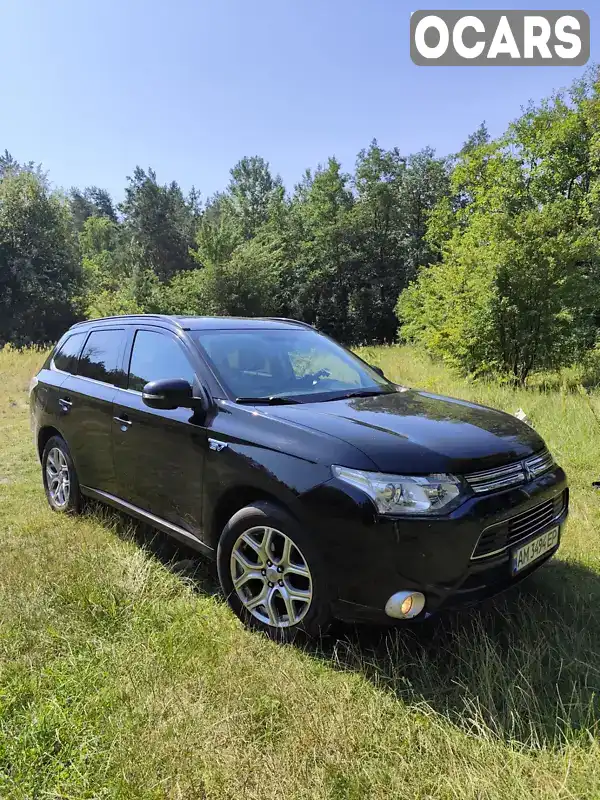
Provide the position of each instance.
(358, 393)
(271, 401)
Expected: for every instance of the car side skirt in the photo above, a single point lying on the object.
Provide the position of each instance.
(145, 516)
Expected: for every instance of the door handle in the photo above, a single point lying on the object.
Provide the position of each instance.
(123, 421)
(65, 403)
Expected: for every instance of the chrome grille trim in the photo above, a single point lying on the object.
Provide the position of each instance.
(522, 526)
(490, 480)
(540, 463)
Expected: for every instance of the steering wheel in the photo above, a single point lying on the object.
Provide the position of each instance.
(311, 379)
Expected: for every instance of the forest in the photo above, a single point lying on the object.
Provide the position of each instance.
(488, 258)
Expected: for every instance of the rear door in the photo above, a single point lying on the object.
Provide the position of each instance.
(159, 455)
(87, 402)
(45, 396)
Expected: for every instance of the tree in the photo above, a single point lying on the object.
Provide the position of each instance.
(494, 252)
(91, 202)
(104, 270)
(99, 234)
(518, 285)
(124, 285)
(324, 264)
(218, 233)
(40, 274)
(161, 221)
(476, 139)
(250, 191)
(9, 166)
(379, 231)
(395, 195)
(191, 292)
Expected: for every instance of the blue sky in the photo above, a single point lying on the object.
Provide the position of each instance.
(189, 87)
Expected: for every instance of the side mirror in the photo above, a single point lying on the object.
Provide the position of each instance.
(169, 394)
(378, 370)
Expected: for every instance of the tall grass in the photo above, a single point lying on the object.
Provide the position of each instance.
(123, 674)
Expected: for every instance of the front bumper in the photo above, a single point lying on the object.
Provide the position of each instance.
(370, 557)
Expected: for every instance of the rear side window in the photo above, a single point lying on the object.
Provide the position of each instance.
(101, 357)
(66, 357)
(156, 356)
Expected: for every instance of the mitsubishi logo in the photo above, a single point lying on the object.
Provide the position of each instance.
(529, 474)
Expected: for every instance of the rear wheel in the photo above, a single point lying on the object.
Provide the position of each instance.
(272, 574)
(60, 479)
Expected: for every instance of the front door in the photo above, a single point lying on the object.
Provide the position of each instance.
(159, 455)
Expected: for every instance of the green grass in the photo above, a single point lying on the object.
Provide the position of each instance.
(123, 674)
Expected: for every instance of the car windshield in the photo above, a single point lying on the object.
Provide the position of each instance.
(300, 365)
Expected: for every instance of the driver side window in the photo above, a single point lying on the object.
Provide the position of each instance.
(157, 356)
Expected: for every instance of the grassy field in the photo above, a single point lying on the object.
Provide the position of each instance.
(124, 675)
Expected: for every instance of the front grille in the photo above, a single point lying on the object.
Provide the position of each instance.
(536, 465)
(491, 480)
(502, 535)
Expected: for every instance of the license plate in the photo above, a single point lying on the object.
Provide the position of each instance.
(525, 555)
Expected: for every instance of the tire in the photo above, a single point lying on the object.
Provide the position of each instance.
(57, 462)
(292, 581)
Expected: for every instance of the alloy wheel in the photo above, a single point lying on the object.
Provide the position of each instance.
(58, 477)
(271, 577)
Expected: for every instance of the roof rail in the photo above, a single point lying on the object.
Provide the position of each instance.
(293, 321)
(124, 317)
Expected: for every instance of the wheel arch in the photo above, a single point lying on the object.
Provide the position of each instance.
(233, 500)
(44, 436)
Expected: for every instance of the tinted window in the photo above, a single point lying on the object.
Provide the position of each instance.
(66, 358)
(101, 357)
(156, 356)
(299, 363)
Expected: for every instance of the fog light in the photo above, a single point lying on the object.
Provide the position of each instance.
(405, 605)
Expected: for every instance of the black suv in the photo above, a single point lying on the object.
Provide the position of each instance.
(321, 488)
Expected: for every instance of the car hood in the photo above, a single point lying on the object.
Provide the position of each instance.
(419, 433)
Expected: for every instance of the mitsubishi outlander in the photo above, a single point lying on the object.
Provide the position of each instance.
(322, 489)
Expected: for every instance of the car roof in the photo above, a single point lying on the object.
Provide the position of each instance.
(199, 323)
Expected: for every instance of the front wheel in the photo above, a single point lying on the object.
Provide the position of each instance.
(272, 573)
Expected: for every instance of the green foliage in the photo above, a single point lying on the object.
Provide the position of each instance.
(250, 191)
(336, 252)
(190, 293)
(395, 196)
(9, 166)
(91, 202)
(104, 265)
(218, 234)
(138, 294)
(488, 258)
(517, 288)
(99, 234)
(161, 222)
(324, 260)
(124, 286)
(40, 274)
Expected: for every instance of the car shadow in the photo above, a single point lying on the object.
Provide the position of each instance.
(522, 667)
(183, 561)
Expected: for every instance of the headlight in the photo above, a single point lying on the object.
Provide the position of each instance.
(405, 494)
